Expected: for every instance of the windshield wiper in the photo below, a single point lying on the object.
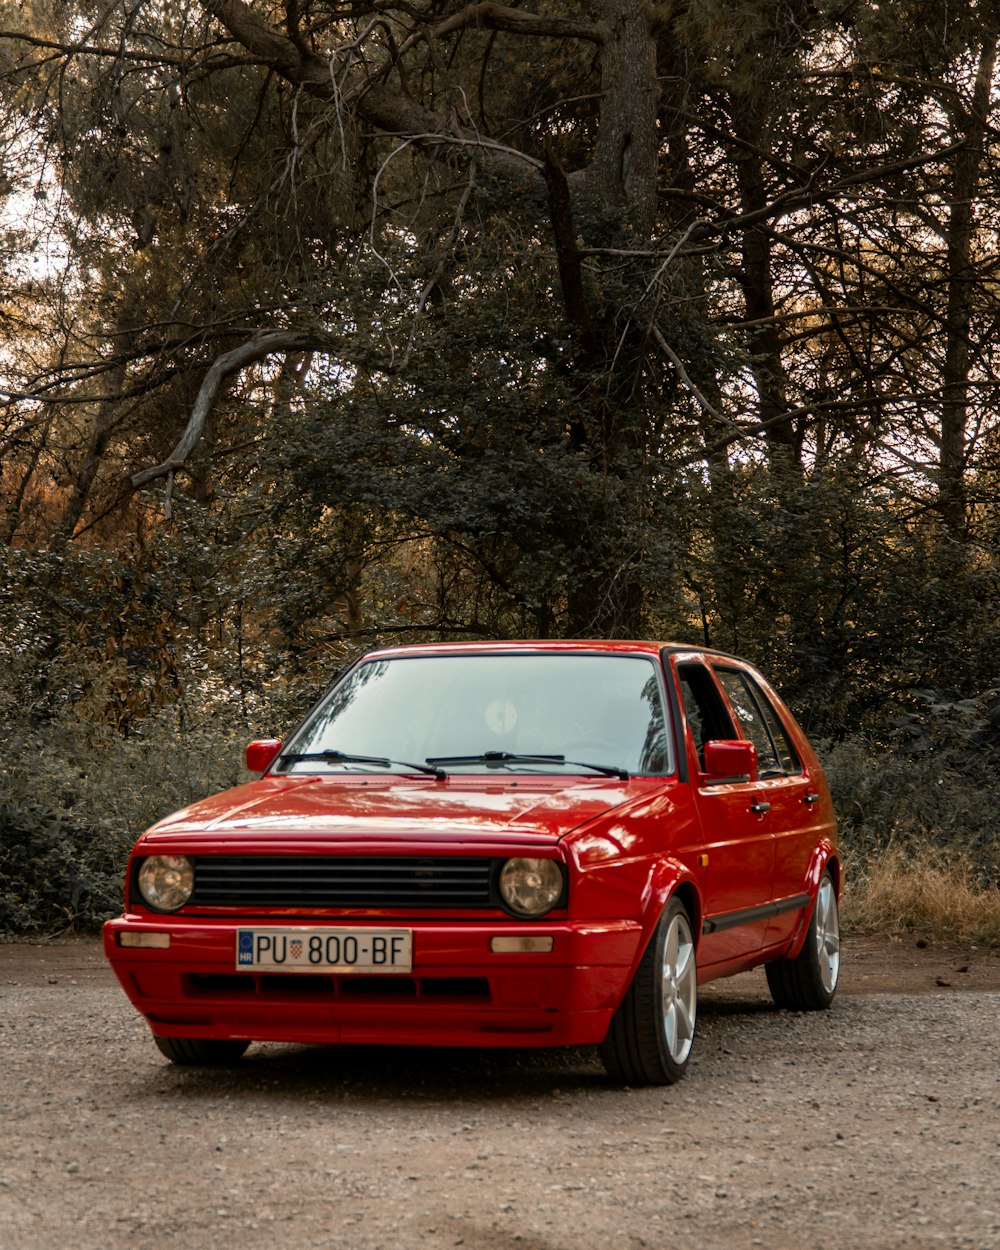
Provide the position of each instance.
(497, 758)
(378, 761)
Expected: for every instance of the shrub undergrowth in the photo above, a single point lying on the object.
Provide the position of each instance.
(75, 795)
(932, 894)
(73, 800)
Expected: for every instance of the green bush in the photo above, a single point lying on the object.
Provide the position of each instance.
(113, 714)
(73, 799)
(930, 790)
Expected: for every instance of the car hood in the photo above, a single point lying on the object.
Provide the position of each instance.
(461, 810)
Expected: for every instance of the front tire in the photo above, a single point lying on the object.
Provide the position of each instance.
(202, 1052)
(809, 981)
(651, 1034)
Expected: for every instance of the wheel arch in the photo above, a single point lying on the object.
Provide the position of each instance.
(668, 879)
(824, 859)
(691, 899)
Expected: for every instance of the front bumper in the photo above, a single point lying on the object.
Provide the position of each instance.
(459, 993)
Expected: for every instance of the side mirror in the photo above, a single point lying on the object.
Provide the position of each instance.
(262, 754)
(730, 757)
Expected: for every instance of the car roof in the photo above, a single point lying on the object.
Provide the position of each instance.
(588, 646)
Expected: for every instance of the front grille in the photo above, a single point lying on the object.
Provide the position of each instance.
(342, 881)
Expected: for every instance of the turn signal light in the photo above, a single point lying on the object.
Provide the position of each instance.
(509, 944)
(148, 941)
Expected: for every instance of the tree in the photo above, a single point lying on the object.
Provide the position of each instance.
(698, 237)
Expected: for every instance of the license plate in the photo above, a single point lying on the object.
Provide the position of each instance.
(368, 951)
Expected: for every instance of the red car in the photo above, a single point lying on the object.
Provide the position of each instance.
(494, 844)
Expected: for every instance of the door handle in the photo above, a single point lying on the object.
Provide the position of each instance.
(759, 809)
(810, 798)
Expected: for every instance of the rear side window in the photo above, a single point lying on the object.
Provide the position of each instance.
(760, 723)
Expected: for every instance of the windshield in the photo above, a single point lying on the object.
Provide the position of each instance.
(484, 712)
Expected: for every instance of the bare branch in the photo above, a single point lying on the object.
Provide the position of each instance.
(262, 344)
(88, 49)
(388, 110)
(696, 391)
(489, 16)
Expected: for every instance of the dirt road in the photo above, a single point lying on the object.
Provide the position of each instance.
(874, 1125)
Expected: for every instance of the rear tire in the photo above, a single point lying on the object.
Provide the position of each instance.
(809, 981)
(203, 1052)
(651, 1034)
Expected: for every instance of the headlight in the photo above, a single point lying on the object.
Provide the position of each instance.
(166, 881)
(531, 887)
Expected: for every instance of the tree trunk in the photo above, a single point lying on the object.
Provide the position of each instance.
(961, 286)
(783, 440)
(97, 443)
(623, 171)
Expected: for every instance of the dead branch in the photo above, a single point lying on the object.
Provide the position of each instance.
(263, 343)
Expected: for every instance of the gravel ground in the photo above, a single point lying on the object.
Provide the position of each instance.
(874, 1125)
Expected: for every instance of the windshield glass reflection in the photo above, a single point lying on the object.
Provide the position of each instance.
(597, 709)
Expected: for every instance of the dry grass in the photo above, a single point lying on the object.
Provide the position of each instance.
(898, 893)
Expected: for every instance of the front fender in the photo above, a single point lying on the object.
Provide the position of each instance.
(667, 877)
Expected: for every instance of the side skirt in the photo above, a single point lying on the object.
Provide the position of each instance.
(749, 915)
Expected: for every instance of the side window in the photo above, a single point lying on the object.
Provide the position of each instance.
(704, 708)
(760, 723)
